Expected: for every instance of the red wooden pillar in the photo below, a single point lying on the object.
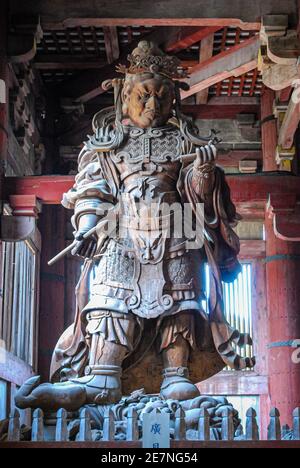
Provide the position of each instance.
(283, 299)
(268, 130)
(52, 285)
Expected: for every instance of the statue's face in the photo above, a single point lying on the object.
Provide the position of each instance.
(150, 102)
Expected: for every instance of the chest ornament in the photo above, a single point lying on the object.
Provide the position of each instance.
(156, 145)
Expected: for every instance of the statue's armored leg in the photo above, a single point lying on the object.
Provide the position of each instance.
(110, 335)
(111, 338)
(177, 338)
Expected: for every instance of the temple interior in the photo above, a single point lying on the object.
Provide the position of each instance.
(242, 64)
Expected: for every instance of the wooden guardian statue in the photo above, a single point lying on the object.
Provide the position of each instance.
(142, 324)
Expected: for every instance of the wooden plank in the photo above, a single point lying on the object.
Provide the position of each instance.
(235, 61)
(135, 11)
(111, 43)
(48, 24)
(250, 249)
(14, 369)
(216, 111)
(290, 123)
(222, 48)
(67, 62)
(284, 94)
(268, 130)
(234, 383)
(244, 188)
(182, 444)
(205, 53)
(188, 37)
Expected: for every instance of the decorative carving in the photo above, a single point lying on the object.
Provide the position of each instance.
(279, 52)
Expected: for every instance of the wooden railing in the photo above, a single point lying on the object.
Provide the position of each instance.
(180, 437)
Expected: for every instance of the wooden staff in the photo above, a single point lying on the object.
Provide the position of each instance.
(70, 247)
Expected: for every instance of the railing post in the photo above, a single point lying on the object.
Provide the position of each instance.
(252, 432)
(14, 426)
(285, 430)
(132, 432)
(227, 429)
(203, 425)
(274, 429)
(85, 433)
(296, 423)
(37, 430)
(108, 425)
(180, 427)
(61, 430)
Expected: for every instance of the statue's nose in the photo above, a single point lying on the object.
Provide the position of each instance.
(153, 104)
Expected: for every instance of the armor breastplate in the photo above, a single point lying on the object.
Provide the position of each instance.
(149, 151)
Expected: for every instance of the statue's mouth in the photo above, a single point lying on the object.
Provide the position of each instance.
(152, 114)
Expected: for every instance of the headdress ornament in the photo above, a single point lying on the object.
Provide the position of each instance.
(147, 57)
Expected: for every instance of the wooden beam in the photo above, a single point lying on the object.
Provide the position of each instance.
(67, 62)
(175, 444)
(290, 123)
(244, 188)
(139, 12)
(13, 369)
(205, 53)
(235, 61)
(80, 62)
(284, 94)
(188, 37)
(268, 130)
(206, 111)
(111, 43)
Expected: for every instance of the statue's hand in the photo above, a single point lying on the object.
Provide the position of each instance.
(105, 135)
(203, 170)
(84, 247)
(205, 155)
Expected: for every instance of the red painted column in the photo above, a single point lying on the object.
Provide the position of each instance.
(268, 130)
(283, 300)
(52, 285)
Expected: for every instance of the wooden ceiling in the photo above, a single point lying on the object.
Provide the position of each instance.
(64, 53)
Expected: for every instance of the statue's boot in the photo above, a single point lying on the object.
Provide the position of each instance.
(50, 397)
(176, 385)
(102, 386)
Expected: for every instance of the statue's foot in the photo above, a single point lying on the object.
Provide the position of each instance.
(50, 397)
(100, 389)
(102, 386)
(177, 386)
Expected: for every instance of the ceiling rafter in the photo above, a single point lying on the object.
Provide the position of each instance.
(186, 37)
(235, 61)
(111, 43)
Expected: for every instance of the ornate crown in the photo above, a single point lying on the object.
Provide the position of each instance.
(147, 57)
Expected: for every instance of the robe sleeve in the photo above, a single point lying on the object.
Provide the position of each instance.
(92, 192)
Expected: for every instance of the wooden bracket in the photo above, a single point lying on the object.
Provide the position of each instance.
(27, 33)
(285, 212)
(279, 52)
(21, 224)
